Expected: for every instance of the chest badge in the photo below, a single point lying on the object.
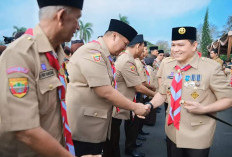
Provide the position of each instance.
(194, 95)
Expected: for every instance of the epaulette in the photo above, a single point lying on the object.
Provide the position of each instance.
(23, 43)
(94, 45)
(204, 59)
(168, 59)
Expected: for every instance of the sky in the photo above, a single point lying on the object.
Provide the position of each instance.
(152, 18)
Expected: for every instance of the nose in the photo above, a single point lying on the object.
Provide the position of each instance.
(77, 26)
(175, 48)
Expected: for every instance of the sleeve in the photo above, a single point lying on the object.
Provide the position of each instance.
(159, 73)
(141, 71)
(164, 84)
(94, 68)
(219, 84)
(19, 102)
(130, 74)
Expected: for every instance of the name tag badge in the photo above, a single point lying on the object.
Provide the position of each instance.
(46, 74)
(171, 75)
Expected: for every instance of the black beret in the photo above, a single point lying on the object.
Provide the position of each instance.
(214, 50)
(184, 33)
(122, 28)
(153, 48)
(71, 3)
(76, 41)
(160, 51)
(137, 39)
(145, 44)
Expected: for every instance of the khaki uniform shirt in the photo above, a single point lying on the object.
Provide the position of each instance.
(153, 77)
(89, 115)
(29, 96)
(141, 70)
(218, 60)
(127, 78)
(195, 131)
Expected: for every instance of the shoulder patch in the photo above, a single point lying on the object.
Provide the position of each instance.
(132, 67)
(17, 69)
(97, 57)
(18, 86)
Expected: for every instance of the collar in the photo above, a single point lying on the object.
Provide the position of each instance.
(104, 47)
(42, 41)
(129, 54)
(193, 62)
(44, 45)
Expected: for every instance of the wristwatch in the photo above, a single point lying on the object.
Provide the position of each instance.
(150, 104)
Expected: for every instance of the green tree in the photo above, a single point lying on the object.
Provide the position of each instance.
(206, 38)
(123, 19)
(18, 29)
(85, 31)
(163, 45)
(214, 33)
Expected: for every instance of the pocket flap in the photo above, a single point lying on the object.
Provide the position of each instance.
(49, 84)
(197, 123)
(93, 112)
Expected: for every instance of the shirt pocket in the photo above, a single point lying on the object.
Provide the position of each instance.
(197, 95)
(48, 94)
(199, 120)
(93, 112)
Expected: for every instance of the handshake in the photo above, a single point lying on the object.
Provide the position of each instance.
(141, 110)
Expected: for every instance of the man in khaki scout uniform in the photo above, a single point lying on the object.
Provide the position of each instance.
(30, 107)
(214, 56)
(129, 82)
(153, 55)
(90, 93)
(158, 60)
(188, 79)
(140, 97)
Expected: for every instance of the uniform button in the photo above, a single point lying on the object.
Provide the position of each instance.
(182, 102)
(29, 38)
(201, 122)
(95, 114)
(50, 86)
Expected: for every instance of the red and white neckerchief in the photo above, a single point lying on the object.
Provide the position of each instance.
(176, 91)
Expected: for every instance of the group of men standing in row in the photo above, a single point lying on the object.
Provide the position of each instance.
(42, 115)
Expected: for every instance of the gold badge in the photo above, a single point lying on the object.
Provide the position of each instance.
(182, 30)
(195, 95)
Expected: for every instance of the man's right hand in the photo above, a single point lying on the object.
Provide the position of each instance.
(141, 109)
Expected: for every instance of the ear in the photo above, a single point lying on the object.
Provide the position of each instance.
(138, 45)
(60, 17)
(114, 36)
(195, 46)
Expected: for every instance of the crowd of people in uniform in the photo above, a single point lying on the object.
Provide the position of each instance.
(58, 101)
